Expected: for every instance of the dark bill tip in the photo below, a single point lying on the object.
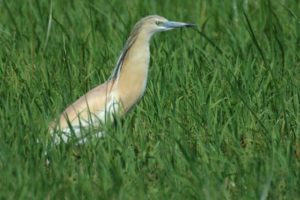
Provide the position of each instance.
(190, 25)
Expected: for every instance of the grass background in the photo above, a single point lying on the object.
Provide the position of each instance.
(220, 118)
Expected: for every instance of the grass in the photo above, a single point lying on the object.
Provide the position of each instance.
(220, 118)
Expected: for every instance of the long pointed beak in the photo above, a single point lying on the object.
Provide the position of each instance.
(172, 24)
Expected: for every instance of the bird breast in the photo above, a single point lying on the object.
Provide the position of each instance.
(132, 82)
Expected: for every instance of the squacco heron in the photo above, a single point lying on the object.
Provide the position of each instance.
(122, 91)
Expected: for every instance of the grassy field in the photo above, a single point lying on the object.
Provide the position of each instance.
(220, 118)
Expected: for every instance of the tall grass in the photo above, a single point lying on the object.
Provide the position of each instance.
(220, 118)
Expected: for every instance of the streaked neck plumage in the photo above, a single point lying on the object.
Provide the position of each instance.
(131, 72)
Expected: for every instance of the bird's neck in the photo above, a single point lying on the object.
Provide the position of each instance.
(132, 78)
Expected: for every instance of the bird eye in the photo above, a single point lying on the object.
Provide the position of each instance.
(158, 23)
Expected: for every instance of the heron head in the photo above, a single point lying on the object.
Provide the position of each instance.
(155, 23)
